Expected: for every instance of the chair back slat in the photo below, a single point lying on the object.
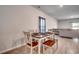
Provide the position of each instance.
(28, 36)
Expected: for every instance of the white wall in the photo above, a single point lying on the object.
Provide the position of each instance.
(67, 24)
(15, 19)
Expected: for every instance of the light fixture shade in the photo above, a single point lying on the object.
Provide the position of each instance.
(61, 5)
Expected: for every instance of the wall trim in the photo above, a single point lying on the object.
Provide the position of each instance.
(12, 48)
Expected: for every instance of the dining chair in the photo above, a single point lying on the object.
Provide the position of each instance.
(50, 44)
(30, 42)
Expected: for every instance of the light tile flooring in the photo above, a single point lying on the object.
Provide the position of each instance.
(65, 46)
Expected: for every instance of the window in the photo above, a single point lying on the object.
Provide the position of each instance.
(42, 25)
(75, 25)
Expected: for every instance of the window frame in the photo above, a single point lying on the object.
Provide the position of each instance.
(75, 25)
(42, 25)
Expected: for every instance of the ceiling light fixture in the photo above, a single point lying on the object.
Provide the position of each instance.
(38, 6)
(60, 5)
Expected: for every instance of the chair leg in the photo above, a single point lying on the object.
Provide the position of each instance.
(43, 49)
(25, 48)
(50, 50)
(31, 50)
(56, 46)
(37, 49)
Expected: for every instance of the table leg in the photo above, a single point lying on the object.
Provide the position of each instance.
(39, 45)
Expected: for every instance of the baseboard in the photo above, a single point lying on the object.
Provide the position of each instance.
(12, 48)
(66, 37)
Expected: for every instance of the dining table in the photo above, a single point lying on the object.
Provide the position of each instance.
(41, 37)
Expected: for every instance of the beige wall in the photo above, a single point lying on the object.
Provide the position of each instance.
(15, 19)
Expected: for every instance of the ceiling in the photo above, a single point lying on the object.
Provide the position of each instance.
(60, 12)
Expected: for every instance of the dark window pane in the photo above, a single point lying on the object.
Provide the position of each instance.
(42, 25)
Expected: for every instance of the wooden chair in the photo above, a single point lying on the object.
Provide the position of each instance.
(30, 42)
(50, 44)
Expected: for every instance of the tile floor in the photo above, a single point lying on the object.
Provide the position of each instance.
(65, 46)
